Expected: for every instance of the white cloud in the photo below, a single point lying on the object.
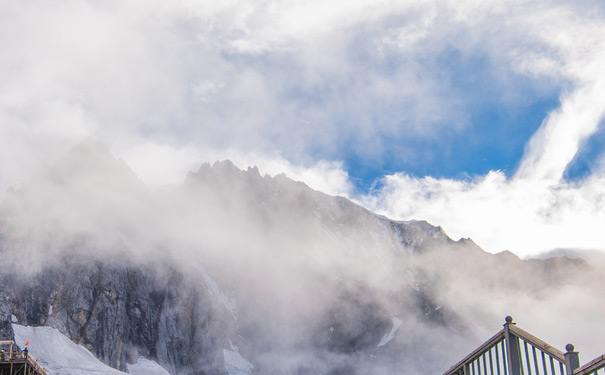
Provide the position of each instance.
(292, 86)
(536, 210)
(161, 164)
(500, 214)
(285, 76)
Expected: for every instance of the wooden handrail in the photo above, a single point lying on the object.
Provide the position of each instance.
(493, 341)
(595, 364)
(548, 349)
(514, 361)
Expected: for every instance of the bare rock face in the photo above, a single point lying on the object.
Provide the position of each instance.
(6, 330)
(123, 312)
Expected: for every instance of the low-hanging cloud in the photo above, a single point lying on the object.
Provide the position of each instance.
(296, 266)
(501, 214)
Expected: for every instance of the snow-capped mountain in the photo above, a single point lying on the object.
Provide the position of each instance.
(238, 273)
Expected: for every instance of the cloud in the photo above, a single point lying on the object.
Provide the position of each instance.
(162, 164)
(535, 210)
(300, 78)
(302, 87)
(286, 254)
(498, 213)
(296, 88)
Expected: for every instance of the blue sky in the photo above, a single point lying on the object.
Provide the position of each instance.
(474, 116)
(501, 118)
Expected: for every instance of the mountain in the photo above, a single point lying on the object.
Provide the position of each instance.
(238, 273)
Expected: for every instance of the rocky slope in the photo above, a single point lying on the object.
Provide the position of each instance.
(122, 312)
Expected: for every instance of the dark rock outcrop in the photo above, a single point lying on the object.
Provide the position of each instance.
(121, 312)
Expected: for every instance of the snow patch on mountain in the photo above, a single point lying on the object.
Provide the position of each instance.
(235, 364)
(391, 335)
(229, 303)
(58, 354)
(145, 366)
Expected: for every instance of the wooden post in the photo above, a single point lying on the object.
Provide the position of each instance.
(572, 359)
(513, 351)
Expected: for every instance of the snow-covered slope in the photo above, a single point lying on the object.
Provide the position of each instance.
(236, 364)
(60, 356)
(146, 367)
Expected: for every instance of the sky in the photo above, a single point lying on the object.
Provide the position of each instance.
(483, 117)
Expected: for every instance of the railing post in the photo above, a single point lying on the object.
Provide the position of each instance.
(513, 351)
(572, 360)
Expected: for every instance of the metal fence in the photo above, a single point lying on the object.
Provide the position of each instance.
(513, 351)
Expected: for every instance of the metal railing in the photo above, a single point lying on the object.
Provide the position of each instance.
(513, 351)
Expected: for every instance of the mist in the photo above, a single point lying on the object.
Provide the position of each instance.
(300, 281)
(323, 92)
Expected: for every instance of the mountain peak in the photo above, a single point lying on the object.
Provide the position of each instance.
(91, 159)
(91, 146)
(77, 194)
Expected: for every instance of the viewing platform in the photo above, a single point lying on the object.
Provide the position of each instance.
(15, 362)
(513, 351)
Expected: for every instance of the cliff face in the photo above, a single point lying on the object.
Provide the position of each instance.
(292, 278)
(234, 265)
(123, 312)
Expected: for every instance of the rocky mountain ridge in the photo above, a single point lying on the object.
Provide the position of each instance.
(294, 280)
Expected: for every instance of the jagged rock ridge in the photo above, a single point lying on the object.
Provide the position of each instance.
(295, 280)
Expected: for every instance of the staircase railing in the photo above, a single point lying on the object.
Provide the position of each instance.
(513, 351)
(593, 367)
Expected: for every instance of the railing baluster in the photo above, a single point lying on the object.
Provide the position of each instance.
(527, 363)
(491, 363)
(533, 350)
(544, 363)
(504, 366)
(497, 359)
(484, 364)
(561, 368)
(479, 371)
(552, 365)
